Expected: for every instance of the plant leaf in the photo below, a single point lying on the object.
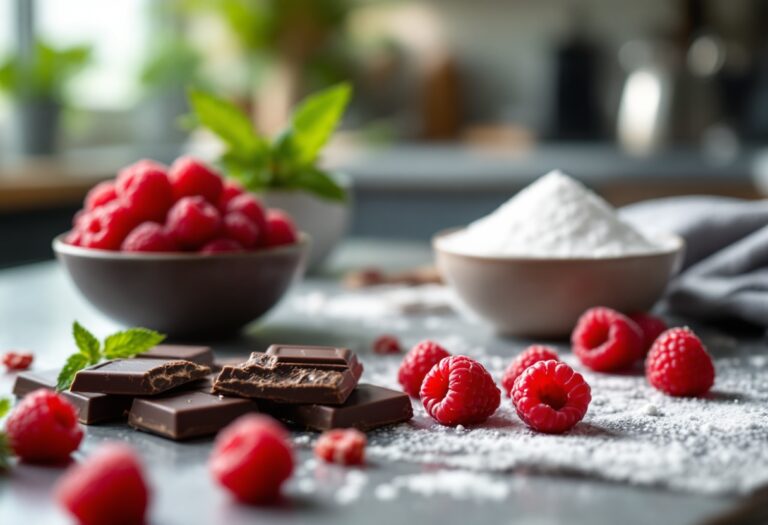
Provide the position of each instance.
(87, 343)
(74, 364)
(5, 406)
(228, 122)
(314, 121)
(5, 451)
(318, 182)
(131, 342)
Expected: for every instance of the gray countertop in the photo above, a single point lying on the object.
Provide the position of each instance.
(38, 305)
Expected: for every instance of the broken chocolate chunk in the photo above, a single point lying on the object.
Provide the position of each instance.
(137, 377)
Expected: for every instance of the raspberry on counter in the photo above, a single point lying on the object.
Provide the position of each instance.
(651, 326)
(416, 363)
(345, 446)
(17, 360)
(532, 354)
(678, 364)
(606, 340)
(386, 344)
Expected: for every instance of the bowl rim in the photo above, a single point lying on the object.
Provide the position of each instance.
(676, 246)
(61, 247)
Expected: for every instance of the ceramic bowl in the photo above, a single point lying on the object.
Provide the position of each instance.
(543, 298)
(184, 294)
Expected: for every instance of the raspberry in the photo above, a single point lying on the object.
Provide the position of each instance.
(280, 228)
(43, 428)
(386, 344)
(242, 229)
(651, 327)
(229, 191)
(15, 360)
(532, 354)
(74, 237)
(550, 397)
(679, 365)
(252, 208)
(149, 237)
(193, 221)
(252, 458)
(221, 245)
(345, 446)
(100, 194)
(146, 191)
(459, 391)
(105, 227)
(417, 363)
(605, 340)
(190, 177)
(107, 488)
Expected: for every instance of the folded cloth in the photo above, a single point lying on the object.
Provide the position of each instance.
(725, 270)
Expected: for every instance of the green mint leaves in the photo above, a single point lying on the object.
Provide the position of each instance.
(124, 344)
(290, 160)
(5, 447)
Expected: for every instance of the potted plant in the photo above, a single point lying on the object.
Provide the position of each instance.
(37, 84)
(284, 170)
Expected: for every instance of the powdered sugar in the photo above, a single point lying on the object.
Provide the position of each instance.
(555, 216)
(458, 484)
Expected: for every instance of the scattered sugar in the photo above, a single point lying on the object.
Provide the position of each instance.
(354, 483)
(556, 216)
(458, 484)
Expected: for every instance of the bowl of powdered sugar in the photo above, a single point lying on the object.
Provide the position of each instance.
(539, 261)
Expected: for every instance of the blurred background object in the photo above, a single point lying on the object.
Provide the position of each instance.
(457, 103)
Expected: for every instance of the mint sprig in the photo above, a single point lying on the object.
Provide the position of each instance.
(289, 161)
(123, 344)
(5, 446)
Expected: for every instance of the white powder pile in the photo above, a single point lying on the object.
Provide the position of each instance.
(458, 484)
(556, 216)
(631, 434)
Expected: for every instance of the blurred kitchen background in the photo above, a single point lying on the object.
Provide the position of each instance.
(457, 103)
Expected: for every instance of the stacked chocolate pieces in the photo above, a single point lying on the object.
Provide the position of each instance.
(315, 387)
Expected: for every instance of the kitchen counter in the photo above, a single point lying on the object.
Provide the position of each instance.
(38, 305)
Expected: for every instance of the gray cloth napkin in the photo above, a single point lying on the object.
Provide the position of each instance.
(725, 270)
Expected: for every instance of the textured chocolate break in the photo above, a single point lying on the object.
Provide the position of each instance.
(288, 379)
(137, 377)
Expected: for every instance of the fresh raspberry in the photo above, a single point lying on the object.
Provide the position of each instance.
(105, 489)
(459, 391)
(280, 228)
(146, 191)
(221, 245)
(417, 363)
(229, 191)
(605, 340)
(532, 354)
(651, 327)
(16, 360)
(193, 221)
(252, 208)
(100, 194)
(679, 365)
(105, 227)
(242, 229)
(550, 397)
(252, 458)
(149, 237)
(345, 446)
(43, 428)
(190, 177)
(386, 344)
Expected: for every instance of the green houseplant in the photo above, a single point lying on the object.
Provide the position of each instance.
(284, 170)
(36, 85)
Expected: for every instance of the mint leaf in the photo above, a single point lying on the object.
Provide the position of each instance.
(74, 364)
(5, 406)
(314, 121)
(86, 343)
(229, 123)
(131, 342)
(320, 183)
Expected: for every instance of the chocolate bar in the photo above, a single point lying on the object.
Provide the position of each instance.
(91, 407)
(202, 355)
(368, 407)
(293, 374)
(137, 376)
(188, 414)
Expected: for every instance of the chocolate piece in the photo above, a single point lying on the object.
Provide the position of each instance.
(188, 414)
(368, 407)
(202, 355)
(293, 374)
(137, 376)
(91, 407)
(220, 363)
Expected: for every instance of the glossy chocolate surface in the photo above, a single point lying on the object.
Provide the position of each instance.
(202, 355)
(137, 376)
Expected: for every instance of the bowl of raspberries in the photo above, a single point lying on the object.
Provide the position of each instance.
(180, 249)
